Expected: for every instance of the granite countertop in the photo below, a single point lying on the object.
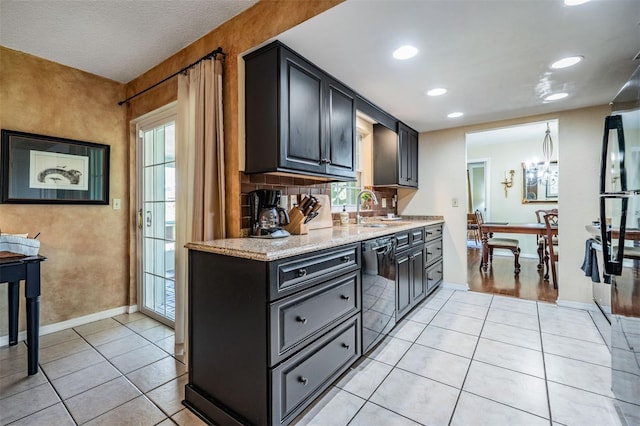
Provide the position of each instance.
(317, 239)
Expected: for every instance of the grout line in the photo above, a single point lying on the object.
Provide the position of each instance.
(544, 368)
(464, 380)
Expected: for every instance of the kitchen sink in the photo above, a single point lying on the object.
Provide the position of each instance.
(374, 225)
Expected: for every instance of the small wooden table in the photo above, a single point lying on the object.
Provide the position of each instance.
(488, 229)
(12, 271)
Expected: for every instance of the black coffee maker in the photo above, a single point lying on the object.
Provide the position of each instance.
(267, 218)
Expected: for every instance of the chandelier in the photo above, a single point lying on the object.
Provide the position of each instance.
(541, 172)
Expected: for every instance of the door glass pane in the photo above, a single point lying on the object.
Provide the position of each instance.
(158, 217)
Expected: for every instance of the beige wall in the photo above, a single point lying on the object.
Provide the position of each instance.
(86, 246)
(443, 177)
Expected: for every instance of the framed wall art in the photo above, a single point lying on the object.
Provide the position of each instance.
(39, 169)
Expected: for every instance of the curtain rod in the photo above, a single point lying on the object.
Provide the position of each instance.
(212, 54)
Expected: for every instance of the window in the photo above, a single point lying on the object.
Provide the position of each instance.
(346, 193)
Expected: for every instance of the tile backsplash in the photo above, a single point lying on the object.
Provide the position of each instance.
(289, 185)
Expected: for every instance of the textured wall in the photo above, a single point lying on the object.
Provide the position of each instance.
(86, 246)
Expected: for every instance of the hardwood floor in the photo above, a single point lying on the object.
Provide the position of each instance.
(499, 278)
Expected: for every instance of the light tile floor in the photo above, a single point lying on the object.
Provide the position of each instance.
(460, 358)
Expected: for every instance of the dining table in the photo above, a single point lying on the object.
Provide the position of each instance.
(487, 230)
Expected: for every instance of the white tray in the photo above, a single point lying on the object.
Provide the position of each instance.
(19, 245)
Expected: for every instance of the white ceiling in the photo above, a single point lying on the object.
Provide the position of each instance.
(493, 56)
(116, 39)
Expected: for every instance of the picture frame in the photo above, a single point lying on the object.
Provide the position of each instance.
(38, 169)
(536, 189)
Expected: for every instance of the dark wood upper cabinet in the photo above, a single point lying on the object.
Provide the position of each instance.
(395, 156)
(298, 118)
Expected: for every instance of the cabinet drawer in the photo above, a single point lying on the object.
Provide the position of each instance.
(296, 318)
(403, 240)
(434, 252)
(298, 380)
(433, 232)
(434, 275)
(417, 236)
(303, 271)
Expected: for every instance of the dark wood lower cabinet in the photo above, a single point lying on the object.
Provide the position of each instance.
(258, 357)
(267, 338)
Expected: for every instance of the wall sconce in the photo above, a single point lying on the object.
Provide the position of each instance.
(508, 180)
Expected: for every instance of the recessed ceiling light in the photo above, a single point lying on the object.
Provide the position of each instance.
(556, 96)
(437, 91)
(574, 2)
(567, 62)
(405, 52)
(455, 115)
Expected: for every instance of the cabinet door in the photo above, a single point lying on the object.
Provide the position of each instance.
(418, 278)
(403, 284)
(301, 120)
(340, 146)
(403, 155)
(407, 156)
(412, 161)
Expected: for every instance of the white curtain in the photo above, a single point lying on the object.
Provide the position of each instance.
(199, 174)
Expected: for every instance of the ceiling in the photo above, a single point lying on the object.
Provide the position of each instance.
(493, 56)
(116, 39)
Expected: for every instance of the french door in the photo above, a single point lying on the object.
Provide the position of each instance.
(156, 217)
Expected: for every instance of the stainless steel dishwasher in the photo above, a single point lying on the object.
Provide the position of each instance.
(378, 290)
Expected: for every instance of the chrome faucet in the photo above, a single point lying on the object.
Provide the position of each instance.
(373, 197)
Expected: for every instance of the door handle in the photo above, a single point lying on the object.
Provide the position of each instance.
(140, 219)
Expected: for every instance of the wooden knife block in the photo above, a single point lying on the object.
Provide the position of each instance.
(296, 224)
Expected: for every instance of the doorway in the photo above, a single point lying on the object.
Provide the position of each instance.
(477, 175)
(156, 202)
(496, 160)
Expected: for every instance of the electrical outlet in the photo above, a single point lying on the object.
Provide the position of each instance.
(394, 201)
(384, 203)
(116, 203)
(294, 200)
(454, 202)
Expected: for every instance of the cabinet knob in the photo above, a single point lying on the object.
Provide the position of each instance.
(438, 248)
(345, 297)
(303, 380)
(346, 345)
(302, 272)
(429, 233)
(429, 253)
(326, 161)
(346, 259)
(301, 319)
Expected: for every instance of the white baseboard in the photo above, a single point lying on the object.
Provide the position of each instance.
(577, 305)
(132, 309)
(74, 322)
(455, 286)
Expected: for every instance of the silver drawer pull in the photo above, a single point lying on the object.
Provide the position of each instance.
(438, 248)
(346, 345)
(302, 272)
(301, 319)
(303, 380)
(345, 297)
(429, 233)
(346, 259)
(429, 253)
(439, 272)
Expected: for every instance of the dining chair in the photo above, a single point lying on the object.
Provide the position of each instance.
(510, 244)
(543, 255)
(472, 227)
(550, 221)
